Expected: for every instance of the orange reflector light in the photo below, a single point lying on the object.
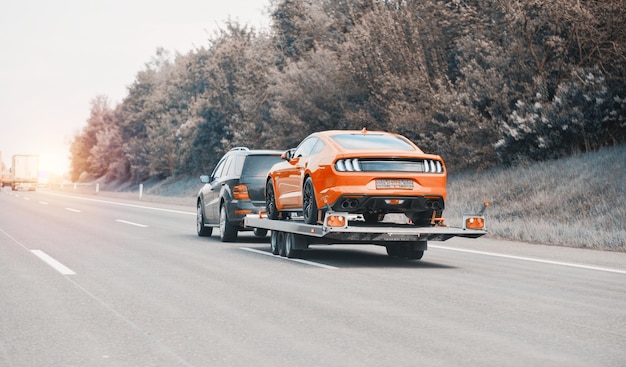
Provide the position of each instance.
(475, 223)
(394, 201)
(240, 192)
(336, 221)
(243, 211)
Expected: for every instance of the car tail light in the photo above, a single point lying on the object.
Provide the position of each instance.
(348, 165)
(417, 165)
(240, 192)
(432, 166)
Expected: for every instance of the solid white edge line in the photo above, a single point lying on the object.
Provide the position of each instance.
(523, 258)
(52, 262)
(131, 223)
(307, 262)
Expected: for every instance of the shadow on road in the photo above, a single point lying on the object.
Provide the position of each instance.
(360, 257)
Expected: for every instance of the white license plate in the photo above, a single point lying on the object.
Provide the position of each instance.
(400, 183)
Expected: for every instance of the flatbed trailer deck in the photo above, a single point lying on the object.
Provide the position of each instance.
(290, 237)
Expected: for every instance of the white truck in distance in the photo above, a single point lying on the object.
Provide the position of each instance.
(25, 172)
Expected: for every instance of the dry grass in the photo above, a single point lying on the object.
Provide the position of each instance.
(578, 202)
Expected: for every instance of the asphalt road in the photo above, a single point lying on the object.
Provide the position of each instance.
(91, 281)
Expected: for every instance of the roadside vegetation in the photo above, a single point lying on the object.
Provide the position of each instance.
(482, 83)
(576, 201)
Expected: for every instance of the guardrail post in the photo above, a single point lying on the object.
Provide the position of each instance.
(140, 191)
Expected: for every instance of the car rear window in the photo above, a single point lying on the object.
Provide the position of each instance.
(259, 165)
(372, 141)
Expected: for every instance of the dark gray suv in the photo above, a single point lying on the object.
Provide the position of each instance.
(234, 189)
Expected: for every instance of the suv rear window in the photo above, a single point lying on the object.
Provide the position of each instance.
(372, 141)
(259, 165)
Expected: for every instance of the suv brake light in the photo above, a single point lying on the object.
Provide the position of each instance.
(240, 192)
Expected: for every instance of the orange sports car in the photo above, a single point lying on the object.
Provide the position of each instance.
(371, 173)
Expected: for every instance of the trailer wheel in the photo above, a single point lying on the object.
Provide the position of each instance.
(415, 254)
(396, 250)
(280, 240)
(415, 250)
(290, 242)
(274, 246)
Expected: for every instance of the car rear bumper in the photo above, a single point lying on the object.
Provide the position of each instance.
(237, 211)
(333, 189)
(357, 203)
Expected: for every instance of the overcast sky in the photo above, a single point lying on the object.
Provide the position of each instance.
(57, 55)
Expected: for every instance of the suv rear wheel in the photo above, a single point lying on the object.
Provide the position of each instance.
(228, 232)
(202, 230)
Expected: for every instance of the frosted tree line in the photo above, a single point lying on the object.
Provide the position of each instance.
(480, 82)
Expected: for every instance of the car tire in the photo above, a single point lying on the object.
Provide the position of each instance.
(274, 245)
(228, 232)
(415, 250)
(397, 250)
(270, 201)
(415, 254)
(280, 240)
(290, 251)
(201, 229)
(309, 205)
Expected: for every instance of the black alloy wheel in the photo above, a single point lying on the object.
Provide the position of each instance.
(309, 206)
(270, 201)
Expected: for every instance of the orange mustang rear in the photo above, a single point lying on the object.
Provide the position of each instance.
(371, 173)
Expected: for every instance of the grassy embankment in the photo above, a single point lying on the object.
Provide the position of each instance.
(577, 202)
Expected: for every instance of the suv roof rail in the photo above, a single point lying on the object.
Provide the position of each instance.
(239, 148)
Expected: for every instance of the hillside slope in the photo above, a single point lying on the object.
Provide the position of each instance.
(578, 201)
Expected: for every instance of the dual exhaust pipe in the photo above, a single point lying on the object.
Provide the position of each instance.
(349, 204)
(433, 204)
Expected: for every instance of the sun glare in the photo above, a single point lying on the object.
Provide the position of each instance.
(52, 167)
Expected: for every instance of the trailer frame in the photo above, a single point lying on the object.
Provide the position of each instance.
(290, 237)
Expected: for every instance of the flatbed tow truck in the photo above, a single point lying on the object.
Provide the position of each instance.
(290, 237)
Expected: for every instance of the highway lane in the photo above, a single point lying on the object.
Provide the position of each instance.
(147, 291)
